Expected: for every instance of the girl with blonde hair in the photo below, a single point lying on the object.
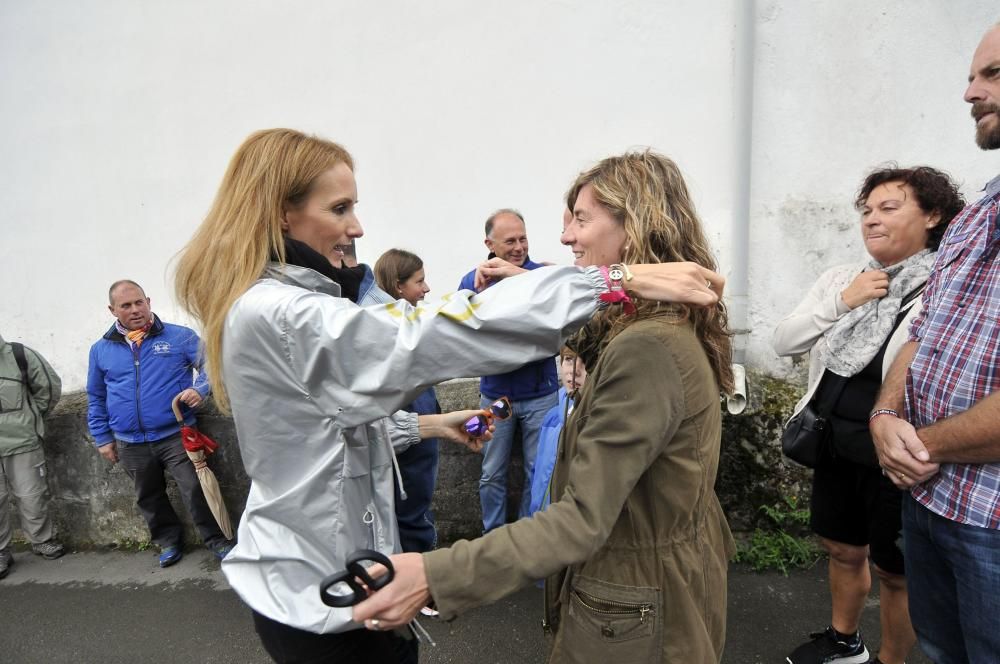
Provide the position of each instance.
(634, 545)
(314, 361)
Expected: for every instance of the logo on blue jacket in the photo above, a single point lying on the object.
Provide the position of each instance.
(161, 348)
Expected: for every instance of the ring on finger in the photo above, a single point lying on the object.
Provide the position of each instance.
(375, 624)
(902, 476)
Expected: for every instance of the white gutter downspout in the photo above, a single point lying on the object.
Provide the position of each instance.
(738, 281)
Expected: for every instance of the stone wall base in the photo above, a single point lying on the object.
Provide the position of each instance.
(94, 503)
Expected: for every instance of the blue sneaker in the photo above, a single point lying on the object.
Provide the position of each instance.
(222, 550)
(170, 555)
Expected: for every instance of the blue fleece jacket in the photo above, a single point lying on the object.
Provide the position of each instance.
(533, 380)
(129, 390)
(546, 453)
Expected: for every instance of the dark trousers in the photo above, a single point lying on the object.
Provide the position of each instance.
(418, 467)
(288, 645)
(145, 463)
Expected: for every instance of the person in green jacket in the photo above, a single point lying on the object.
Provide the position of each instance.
(634, 546)
(29, 388)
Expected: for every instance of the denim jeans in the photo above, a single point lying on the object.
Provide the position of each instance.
(953, 578)
(528, 415)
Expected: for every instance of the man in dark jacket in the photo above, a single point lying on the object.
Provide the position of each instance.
(29, 388)
(532, 389)
(136, 370)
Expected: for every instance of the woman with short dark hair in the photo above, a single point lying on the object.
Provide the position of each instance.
(852, 323)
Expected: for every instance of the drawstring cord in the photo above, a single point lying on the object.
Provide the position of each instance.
(395, 462)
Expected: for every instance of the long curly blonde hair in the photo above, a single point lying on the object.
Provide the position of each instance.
(242, 231)
(646, 193)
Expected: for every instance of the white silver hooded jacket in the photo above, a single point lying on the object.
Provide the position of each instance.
(314, 381)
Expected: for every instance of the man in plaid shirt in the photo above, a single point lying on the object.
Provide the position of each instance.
(947, 449)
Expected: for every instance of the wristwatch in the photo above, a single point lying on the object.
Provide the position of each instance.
(616, 274)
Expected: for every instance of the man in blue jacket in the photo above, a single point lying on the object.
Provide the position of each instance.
(531, 389)
(136, 369)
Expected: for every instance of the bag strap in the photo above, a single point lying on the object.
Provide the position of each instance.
(911, 296)
(839, 382)
(22, 363)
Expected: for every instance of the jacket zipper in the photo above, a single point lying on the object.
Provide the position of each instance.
(546, 617)
(610, 607)
(138, 405)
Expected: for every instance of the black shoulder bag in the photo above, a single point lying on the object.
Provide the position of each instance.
(807, 434)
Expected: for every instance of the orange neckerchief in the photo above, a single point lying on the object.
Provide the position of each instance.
(136, 336)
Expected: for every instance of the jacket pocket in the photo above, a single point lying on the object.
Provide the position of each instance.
(11, 394)
(357, 453)
(606, 622)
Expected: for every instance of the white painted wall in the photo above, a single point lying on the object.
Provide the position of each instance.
(117, 119)
(841, 87)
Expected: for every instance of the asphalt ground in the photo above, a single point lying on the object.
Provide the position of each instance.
(110, 607)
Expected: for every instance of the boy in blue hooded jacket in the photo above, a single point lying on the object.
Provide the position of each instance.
(572, 373)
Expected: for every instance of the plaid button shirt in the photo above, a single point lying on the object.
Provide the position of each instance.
(956, 364)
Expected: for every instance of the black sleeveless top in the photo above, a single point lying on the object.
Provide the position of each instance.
(854, 398)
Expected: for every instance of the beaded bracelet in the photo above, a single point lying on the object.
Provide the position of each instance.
(882, 411)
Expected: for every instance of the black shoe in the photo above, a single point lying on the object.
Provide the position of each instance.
(6, 560)
(828, 646)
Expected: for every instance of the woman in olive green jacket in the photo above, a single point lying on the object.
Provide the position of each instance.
(635, 545)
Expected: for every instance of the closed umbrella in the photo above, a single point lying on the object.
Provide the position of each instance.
(198, 446)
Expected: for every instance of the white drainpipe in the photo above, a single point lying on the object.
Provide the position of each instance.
(738, 281)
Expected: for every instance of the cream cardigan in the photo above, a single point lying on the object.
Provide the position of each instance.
(822, 307)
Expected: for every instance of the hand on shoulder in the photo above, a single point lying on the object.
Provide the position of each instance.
(493, 270)
(685, 282)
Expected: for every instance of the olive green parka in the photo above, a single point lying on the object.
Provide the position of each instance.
(635, 545)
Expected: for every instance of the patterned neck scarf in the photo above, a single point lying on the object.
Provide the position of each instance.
(855, 339)
(135, 337)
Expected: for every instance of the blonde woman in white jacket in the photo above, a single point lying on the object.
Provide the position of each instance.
(852, 323)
